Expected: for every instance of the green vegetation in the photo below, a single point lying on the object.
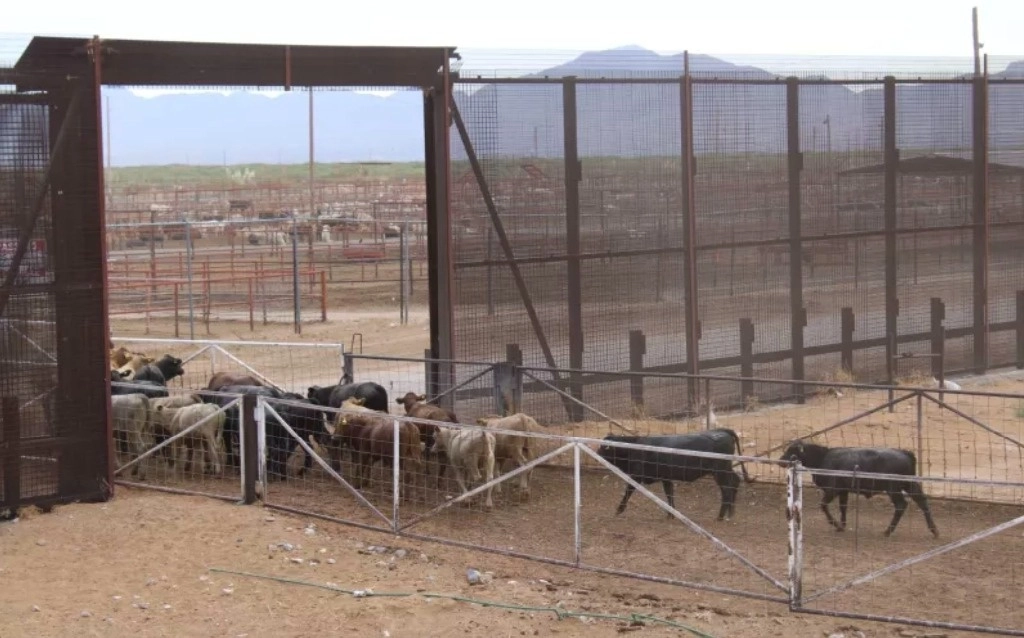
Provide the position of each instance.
(219, 176)
(216, 176)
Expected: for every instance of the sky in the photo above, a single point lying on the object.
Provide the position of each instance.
(531, 34)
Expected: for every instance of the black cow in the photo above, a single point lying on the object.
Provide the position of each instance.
(306, 420)
(867, 460)
(232, 425)
(151, 389)
(646, 467)
(373, 394)
(162, 370)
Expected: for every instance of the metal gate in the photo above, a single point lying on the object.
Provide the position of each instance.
(55, 437)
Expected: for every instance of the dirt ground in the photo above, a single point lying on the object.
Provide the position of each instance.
(143, 565)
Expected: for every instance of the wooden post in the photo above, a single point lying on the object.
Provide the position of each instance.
(252, 309)
(637, 350)
(323, 296)
(938, 337)
(746, 358)
(177, 334)
(847, 324)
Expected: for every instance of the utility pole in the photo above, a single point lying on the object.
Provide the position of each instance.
(977, 45)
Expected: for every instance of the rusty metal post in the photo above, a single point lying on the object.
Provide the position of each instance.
(249, 452)
(847, 324)
(573, 176)
(637, 350)
(746, 358)
(437, 115)
(692, 324)
(938, 337)
(891, 155)
(981, 223)
(798, 314)
(11, 456)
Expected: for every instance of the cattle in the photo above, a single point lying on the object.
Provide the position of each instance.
(120, 356)
(306, 420)
(371, 436)
(416, 406)
(647, 466)
(468, 451)
(151, 389)
(208, 435)
(133, 365)
(221, 379)
(232, 426)
(133, 432)
(862, 460)
(161, 418)
(161, 371)
(518, 449)
(374, 396)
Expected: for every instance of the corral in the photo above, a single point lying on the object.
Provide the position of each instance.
(777, 547)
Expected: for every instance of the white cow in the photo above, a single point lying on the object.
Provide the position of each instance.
(468, 451)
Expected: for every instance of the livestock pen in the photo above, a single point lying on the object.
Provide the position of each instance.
(776, 547)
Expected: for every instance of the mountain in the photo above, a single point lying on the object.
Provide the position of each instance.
(522, 120)
(209, 128)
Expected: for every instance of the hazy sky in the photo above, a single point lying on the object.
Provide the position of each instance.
(806, 27)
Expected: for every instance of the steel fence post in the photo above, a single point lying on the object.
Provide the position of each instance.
(794, 517)
(248, 453)
(577, 506)
(395, 474)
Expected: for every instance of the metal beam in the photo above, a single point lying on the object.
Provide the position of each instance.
(691, 321)
(574, 298)
(891, 154)
(980, 217)
(798, 314)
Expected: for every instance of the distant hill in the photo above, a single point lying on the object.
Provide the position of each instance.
(206, 128)
(643, 119)
(524, 120)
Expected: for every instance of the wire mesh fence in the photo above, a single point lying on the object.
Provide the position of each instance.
(285, 366)
(831, 216)
(691, 509)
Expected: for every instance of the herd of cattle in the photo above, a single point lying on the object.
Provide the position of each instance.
(354, 418)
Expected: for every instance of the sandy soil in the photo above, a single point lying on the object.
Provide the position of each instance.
(142, 565)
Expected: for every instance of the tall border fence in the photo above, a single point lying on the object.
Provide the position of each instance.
(744, 224)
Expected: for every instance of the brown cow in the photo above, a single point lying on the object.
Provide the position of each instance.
(512, 447)
(223, 379)
(370, 436)
(417, 407)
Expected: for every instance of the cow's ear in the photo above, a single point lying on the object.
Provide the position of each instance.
(421, 397)
(398, 401)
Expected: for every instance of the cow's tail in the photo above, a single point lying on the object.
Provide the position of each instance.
(739, 452)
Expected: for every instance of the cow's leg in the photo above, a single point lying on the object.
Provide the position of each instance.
(913, 489)
(900, 503)
(826, 498)
(728, 483)
(461, 480)
(524, 478)
(843, 499)
(625, 498)
(670, 495)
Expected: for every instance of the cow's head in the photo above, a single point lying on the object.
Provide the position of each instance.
(613, 453)
(411, 399)
(807, 454)
(794, 452)
(170, 367)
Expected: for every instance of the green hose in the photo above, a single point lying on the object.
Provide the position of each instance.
(559, 613)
